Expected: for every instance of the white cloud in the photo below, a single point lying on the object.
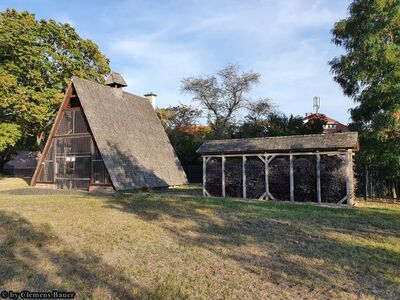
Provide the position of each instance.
(156, 65)
(288, 42)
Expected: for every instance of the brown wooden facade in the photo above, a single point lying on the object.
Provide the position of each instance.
(71, 159)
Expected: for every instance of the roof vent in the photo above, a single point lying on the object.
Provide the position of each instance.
(116, 80)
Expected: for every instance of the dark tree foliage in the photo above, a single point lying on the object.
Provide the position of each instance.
(179, 116)
(185, 136)
(275, 124)
(369, 73)
(37, 59)
(315, 124)
(280, 124)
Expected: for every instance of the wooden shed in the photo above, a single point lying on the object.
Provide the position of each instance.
(104, 138)
(309, 168)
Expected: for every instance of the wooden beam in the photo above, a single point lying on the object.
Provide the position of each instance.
(347, 163)
(223, 176)
(244, 176)
(349, 178)
(263, 196)
(366, 179)
(265, 160)
(55, 166)
(75, 135)
(318, 178)
(273, 154)
(271, 158)
(261, 158)
(342, 156)
(291, 179)
(204, 176)
(268, 160)
(266, 177)
(73, 122)
(342, 200)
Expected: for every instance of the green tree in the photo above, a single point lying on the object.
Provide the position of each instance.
(37, 59)
(185, 136)
(315, 124)
(280, 124)
(369, 73)
(9, 136)
(255, 123)
(274, 123)
(177, 116)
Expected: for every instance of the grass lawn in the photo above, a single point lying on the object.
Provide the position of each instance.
(171, 245)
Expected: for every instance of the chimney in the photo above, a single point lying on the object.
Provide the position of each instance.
(152, 98)
(308, 114)
(115, 80)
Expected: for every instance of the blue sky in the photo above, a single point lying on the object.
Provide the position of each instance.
(154, 44)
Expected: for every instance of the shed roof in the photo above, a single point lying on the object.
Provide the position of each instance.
(298, 143)
(133, 144)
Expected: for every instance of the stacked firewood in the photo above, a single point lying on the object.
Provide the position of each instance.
(233, 177)
(305, 178)
(333, 179)
(214, 176)
(255, 178)
(279, 178)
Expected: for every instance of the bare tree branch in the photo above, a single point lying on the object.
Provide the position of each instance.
(222, 99)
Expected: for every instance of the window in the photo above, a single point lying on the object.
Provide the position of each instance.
(99, 170)
(73, 122)
(329, 126)
(46, 173)
(73, 145)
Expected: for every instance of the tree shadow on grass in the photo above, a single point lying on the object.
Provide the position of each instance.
(32, 191)
(301, 247)
(33, 258)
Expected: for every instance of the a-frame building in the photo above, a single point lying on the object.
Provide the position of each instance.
(104, 138)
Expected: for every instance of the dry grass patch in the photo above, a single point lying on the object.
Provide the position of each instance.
(164, 245)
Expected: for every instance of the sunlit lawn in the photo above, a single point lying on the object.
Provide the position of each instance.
(153, 245)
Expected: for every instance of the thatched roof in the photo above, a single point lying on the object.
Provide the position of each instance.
(298, 143)
(115, 79)
(130, 137)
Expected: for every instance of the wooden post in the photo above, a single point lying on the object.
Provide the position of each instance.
(366, 183)
(318, 178)
(73, 121)
(223, 176)
(55, 166)
(349, 178)
(266, 177)
(244, 176)
(291, 179)
(204, 176)
(347, 163)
